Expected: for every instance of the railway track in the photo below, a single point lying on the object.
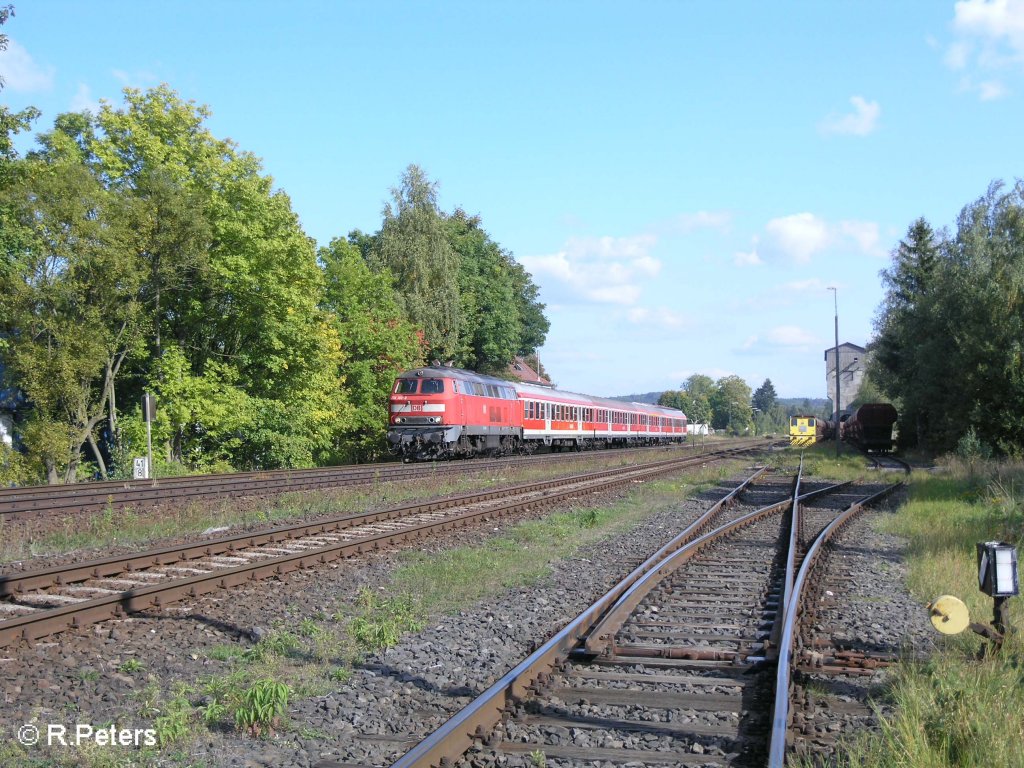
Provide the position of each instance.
(687, 661)
(45, 602)
(887, 461)
(39, 502)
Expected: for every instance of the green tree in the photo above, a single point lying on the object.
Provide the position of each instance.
(949, 347)
(414, 246)
(490, 322)
(699, 389)
(906, 328)
(730, 405)
(73, 314)
(377, 343)
(240, 286)
(764, 397)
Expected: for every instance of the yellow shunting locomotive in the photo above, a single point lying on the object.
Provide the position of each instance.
(807, 430)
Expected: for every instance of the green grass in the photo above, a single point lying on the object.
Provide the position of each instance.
(964, 707)
(137, 528)
(454, 579)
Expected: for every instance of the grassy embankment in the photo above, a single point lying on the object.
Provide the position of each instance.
(963, 707)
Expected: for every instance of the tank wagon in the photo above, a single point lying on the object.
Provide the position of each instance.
(870, 427)
(438, 412)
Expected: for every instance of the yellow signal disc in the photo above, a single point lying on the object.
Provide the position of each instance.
(949, 614)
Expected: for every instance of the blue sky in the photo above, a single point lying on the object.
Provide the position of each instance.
(683, 180)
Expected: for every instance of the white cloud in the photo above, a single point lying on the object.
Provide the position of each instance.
(799, 236)
(801, 286)
(790, 336)
(83, 100)
(660, 317)
(862, 121)
(958, 55)
(749, 259)
(991, 90)
(781, 337)
(20, 71)
(604, 270)
(864, 234)
(685, 223)
(993, 22)
(989, 38)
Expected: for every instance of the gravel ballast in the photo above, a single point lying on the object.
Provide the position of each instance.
(404, 693)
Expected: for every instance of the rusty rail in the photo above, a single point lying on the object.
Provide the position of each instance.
(480, 716)
(50, 621)
(40, 501)
(781, 710)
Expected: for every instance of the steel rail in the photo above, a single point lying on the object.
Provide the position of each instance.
(775, 637)
(17, 583)
(33, 626)
(483, 713)
(603, 633)
(42, 500)
(781, 715)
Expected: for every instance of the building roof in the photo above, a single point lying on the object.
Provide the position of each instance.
(525, 373)
(845, 345)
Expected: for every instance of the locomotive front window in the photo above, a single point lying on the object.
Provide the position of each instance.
(406, 386)
(432, 387)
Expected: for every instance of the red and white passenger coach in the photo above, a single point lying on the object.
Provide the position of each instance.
(440, 413)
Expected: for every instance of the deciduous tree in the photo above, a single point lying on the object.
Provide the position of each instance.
(414, 246)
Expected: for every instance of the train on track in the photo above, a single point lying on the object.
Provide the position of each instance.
(807, 430)
(439, 412)
(869, 428)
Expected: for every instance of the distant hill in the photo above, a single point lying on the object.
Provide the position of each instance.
(646, 397)
(807, 403)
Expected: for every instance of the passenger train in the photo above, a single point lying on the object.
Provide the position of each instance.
(439, 412)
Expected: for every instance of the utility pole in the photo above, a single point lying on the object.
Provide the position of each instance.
(835, 298)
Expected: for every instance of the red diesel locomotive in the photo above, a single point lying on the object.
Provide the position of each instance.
(439, 412)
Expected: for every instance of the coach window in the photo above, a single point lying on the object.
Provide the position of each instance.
(406, 386)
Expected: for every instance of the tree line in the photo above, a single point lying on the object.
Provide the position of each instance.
(723, 405)
(140, 253)
(949, 346)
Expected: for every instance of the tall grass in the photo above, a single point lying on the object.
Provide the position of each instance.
(965, 706)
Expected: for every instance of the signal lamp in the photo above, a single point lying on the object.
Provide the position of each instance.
(997, 569)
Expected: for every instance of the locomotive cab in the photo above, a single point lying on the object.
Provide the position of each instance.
(424, 418)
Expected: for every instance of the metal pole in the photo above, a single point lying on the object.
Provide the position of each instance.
(835, 295)
(148, 414)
